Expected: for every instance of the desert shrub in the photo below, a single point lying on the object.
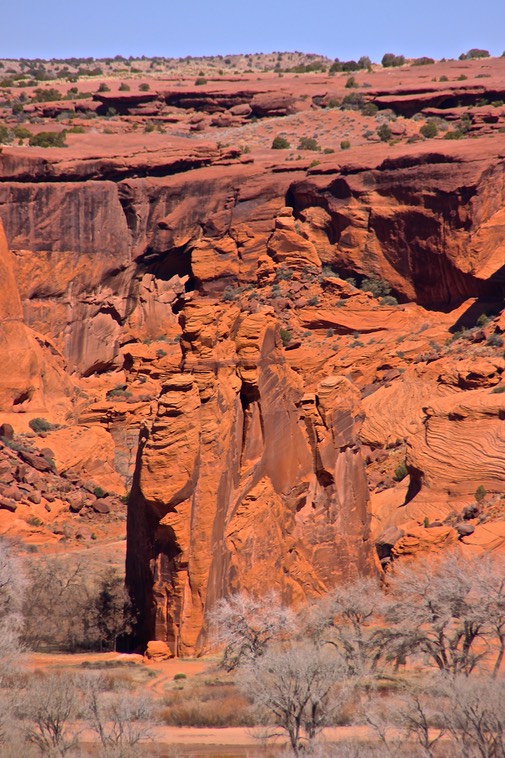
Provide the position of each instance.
(200, 81)
(354, 101)
(345, 144)
(498, 390)
(77, 130)
(103, 87)
(495, 340)
(308, 143)
(429, 130)
(40, 425)
(280, 143)
(207, 705)
(351, 83)
(5, 135)
(21, 132)
(378, 287)
(43, 95)
(369, 109)
(286, 336)
(480, 493)
(384, 132)
(475, 52)
(144, 87)
(48, 139)
(124, 87)
(401, 472)
(453, 134)
(423, 61)
(389, 60)
(120, 391)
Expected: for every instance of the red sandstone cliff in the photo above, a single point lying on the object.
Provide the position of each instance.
(182, 313)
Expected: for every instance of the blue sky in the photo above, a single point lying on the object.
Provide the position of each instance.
(61, 28)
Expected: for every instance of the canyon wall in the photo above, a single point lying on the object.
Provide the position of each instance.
(185, 311)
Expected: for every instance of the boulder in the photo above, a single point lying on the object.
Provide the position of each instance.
(157, 650)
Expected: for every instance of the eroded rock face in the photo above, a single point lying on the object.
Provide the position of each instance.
(244, 482)
(436, 240)
(259, 406)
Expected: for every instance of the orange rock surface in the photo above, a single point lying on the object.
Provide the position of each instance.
(290, 361)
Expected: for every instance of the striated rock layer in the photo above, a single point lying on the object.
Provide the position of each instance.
(216, 334)
(244, 481)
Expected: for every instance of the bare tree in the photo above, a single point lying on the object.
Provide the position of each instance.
(67, 608)
(488, 577)
(299, 688)
(435, 609)
(50, 708)
(349, 618)
(12, 589)
(122, 720)
(112, 608)
(475, 715)
(245, 626)
(56, 605)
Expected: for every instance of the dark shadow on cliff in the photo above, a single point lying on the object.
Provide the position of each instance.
(490, 303)
(140, 528)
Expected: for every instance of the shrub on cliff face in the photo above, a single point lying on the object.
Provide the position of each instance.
(308, 143)
(384, 132)
(48, 139)
(280, 143)
(429, 130)
(40, 425)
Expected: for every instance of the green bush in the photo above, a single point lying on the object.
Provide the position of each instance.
(123, 87)
(351, 83)
(389, 60)
(48, 139)
(103, 87)
(495, 340)
(99, 492)
(345, 144)
(42, 95)
(475, 52)
(200, 81)
(480, 493)
(384, 132)
(21, 132)
(369, 109)
(453, 134)
(38, 425)
(144, 87)
(401, 472)
(423, 61)
(308, 143)
(286, 336)
(280, 143)
(5, 135)
(378, 287)
(429, 130)
(354, 101)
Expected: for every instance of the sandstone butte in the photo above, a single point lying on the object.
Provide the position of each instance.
(208, 326)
